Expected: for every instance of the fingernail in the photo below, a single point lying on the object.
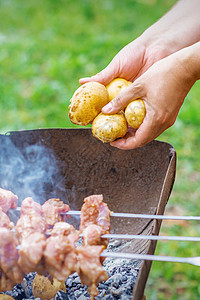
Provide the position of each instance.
(84, 79)
(107, 108)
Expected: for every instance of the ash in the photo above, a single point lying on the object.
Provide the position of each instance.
(122, 277)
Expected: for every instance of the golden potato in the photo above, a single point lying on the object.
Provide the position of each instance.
(135, 113)
(6, 297)
(116, 86)
(108, 128)
(87, 102)
(43, 288)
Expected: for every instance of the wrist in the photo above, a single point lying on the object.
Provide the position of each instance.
(189, 59)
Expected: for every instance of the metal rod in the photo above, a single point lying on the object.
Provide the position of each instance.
(143, 216)
(139, 216)
(150, 237)
(190, 260)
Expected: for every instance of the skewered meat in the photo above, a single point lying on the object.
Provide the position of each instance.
(60, 253)
(29, 207)
(9, 255)
(31, 252)
(91, 271)
(5, 221)
(91, 235)
(94, 211)
(95, 220)
(52, 210)
(31, 219)
(56, 256)
(28, 224)
(7, 200)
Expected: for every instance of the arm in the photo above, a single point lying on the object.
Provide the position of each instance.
(178, 28)
(163, 87)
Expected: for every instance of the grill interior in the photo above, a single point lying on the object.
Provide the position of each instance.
(75, 165)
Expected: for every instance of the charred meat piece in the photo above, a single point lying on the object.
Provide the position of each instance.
(91, 271)
(9, 255)
(31, 252)
(60, 252)
(94, 211)
(7, 200)
(5, 221)
(52, 210)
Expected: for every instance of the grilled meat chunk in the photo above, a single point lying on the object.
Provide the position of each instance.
(9, 255)
(91, 271)
(52, 210)
(31, 219)
(94, 211)
(28, 224)
(91, 235)
(7, 200)
(60, 252)
(5, 221)
(29, 207)
(31, 252)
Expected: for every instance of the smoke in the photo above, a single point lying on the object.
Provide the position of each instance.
(31, 173)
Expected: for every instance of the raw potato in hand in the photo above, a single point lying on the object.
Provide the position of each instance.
(87, 102)
(116, 86)
(135, 113)
(108, 128)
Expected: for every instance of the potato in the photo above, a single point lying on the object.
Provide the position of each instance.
(6, 297)
(108, 128)
(43, 288)
(135, 113)
(87, 102)
(116, 86)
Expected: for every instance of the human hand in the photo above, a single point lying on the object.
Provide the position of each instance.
(131, 62)
(163, 87)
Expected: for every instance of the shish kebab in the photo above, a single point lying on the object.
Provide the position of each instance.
(190, 260)
(94, 215)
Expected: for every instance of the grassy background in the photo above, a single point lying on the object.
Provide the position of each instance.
(45, 47)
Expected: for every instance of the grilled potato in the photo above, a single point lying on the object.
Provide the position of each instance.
(135, 113)
(116, 86)
(45, 290)
(87, 102)
(108, 128)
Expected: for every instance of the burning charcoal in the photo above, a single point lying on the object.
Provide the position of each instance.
(82, 297)
(17, 292)
(116, 291)
(62, 296)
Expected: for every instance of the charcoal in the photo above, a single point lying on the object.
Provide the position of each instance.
(62, 296)
(122, 276)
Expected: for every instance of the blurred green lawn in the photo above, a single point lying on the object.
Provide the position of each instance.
(45, 47)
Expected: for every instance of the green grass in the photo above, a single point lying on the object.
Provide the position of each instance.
(45, 47)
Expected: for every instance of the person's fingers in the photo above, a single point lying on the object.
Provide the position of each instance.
(146, 133)
(105, 76)
(134, 91)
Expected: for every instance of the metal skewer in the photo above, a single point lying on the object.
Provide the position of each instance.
(189, 260)
(131, 215)
(142, 216)
(150, 237)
